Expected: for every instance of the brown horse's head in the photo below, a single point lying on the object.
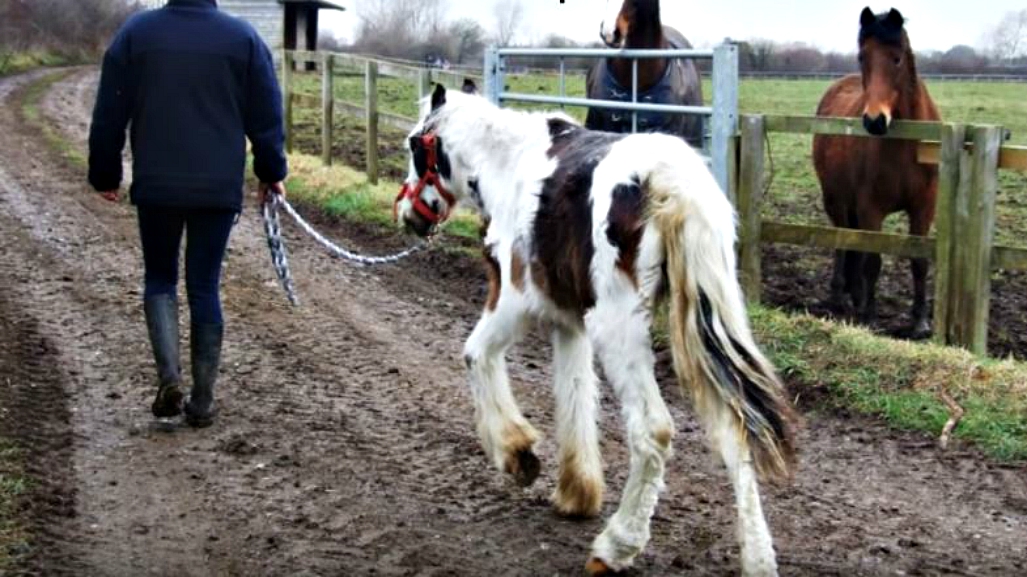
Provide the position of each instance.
(887, 66)
(624, 19)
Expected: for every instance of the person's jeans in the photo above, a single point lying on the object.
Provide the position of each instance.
(207, 232)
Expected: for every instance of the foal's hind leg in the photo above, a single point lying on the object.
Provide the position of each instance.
(758, 558)
(620, 332)
(505, 434)
(579, 491)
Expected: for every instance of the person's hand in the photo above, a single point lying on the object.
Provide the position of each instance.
(268, 188)
(111, 195)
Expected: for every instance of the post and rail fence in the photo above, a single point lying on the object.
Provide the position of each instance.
(963, 250)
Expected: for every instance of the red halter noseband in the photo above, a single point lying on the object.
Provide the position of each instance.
(431, 176)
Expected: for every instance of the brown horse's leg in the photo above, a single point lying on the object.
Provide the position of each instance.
(919, 224)
(869, 269)
(836, 302)
(839, 279)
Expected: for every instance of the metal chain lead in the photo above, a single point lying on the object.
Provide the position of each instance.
(279, 257)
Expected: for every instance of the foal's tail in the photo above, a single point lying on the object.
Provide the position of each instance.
(714, 354)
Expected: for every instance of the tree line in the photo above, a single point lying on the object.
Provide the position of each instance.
(418, 30)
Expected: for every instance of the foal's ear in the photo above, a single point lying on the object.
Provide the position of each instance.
(469, 86)
(866, 18)
(438, 98)
(894, 19)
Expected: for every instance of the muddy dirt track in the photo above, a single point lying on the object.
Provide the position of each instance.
(345, 444)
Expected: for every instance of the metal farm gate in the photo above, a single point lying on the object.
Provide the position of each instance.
(718, 147)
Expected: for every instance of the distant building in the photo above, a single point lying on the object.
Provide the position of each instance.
(290, 24)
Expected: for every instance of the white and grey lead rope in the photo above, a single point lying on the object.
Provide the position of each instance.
(279, 255)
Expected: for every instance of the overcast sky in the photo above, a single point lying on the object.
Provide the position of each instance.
(826, 24)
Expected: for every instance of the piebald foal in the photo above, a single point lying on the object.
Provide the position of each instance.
(588, 231)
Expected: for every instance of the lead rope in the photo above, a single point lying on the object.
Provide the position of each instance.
(279, 255)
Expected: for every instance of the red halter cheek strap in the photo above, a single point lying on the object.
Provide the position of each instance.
(431, 177)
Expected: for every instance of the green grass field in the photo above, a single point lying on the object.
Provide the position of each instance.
(795, 194)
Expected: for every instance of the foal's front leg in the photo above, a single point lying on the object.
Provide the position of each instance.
(579, 490)
(620, 331)
(506, 436)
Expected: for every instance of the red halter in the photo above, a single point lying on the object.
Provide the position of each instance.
(431, 176)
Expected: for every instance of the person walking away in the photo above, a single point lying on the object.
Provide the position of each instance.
(193, 84)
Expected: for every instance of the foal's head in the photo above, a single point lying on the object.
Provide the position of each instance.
(434, 183)
(630, 18)
(888, 69)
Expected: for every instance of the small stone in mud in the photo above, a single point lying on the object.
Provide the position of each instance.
(237, 445)
(393, 371)
(114, 395)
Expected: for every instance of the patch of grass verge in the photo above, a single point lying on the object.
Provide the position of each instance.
(901, 381)
(17, 62)
(12, 486)
(30, 111)
(343, 192)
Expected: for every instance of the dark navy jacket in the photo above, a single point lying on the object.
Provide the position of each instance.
(193, 83)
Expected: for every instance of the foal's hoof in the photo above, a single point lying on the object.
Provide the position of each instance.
(524, 466)
(168, 402)
(596, 566)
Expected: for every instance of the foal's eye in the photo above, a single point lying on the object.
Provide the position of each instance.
(860, 58)
(897, 60)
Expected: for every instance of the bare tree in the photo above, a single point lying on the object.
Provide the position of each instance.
(762, 53)
(508, 15)
(469, 39)
(79, 29)
(1008, 39)
(397, 27)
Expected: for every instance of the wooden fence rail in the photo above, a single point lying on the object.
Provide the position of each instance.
(969, 158)
(333, 64)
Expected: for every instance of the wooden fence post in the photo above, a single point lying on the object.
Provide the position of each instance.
(327, 107)
(287, 60)
(975, 225)
(423, 83)
(750, 200)
(371, 103)
(950, 158)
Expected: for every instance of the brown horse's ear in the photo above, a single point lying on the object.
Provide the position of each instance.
(866, 18)
(894, 19)
(438, 98)
(469, 86)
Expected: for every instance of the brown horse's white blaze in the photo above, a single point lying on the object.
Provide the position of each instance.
(588, 231)
(864, 179)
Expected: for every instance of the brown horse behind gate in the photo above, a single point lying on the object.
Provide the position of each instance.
(865, 179)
